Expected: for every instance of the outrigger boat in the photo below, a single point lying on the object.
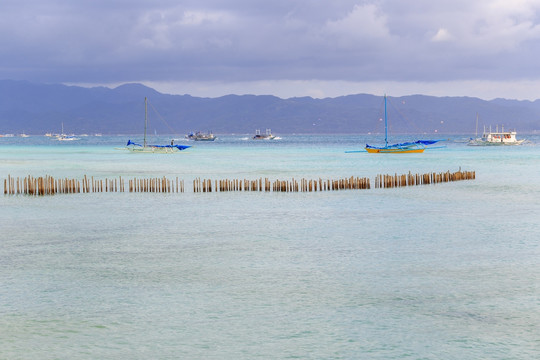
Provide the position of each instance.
(496, 138)
(267, 136)
(407, 147)
(146, 148)
(199, 136)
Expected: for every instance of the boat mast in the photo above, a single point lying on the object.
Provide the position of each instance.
(145, 120)
(476, 133)
(385, 124)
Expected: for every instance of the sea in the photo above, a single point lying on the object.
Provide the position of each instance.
(440, 271)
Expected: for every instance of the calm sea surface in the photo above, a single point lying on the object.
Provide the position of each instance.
(446, 271)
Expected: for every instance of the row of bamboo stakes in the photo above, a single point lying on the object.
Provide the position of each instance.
(265, 185)
(47, 185)
(390, 181)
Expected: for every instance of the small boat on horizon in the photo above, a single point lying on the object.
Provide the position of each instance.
(266, 136)
(64, 137)
(199, 136)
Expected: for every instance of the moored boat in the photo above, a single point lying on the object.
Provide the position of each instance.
(159, 149)
(266, 136)
(406, 147)
(199, 136)
(64, 137)
(496, 138)
(147, 148)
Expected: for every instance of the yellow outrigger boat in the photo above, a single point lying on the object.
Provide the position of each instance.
(390, 149)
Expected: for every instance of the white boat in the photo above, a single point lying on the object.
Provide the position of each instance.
(267, 136)
(64, 137)
(146, 148)
(496, 138)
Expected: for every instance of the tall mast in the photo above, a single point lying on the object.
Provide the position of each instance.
(385, 123)
(476, 133)
(145, 120)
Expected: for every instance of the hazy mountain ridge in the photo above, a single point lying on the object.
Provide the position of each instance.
(39, 108)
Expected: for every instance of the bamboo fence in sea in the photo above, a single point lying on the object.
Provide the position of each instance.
(47, 185)
(266, 185)
(390, 181)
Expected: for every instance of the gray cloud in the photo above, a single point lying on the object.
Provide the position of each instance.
(245, 40)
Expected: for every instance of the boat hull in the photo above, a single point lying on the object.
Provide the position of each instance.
(480, 142)
(393, 151)
(152, 150)
(156, 149)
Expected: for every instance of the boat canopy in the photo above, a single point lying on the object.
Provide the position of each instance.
(405, 144)
(179, 147)
(427, 142)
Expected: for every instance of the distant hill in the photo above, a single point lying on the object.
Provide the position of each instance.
(40, 108)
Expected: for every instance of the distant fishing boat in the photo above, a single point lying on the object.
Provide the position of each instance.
(266, 136)
(199, 136)
(146, 148)
(407, 147)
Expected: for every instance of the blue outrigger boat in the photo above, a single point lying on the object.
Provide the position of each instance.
(147, 148)
(406, 147)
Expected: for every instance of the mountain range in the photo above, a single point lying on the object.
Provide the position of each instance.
(39, 108)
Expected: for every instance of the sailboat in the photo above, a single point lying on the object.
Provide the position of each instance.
(64, 137)
(407, 147)
(146, 148)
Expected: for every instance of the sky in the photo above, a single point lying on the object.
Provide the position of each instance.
(287, 48)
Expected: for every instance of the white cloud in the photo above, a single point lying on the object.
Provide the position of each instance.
(442, 35)
(495, 26)
(176, 28)
(362, 22)
(197, 18)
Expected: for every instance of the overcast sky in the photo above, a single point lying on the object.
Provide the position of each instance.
(318, 48)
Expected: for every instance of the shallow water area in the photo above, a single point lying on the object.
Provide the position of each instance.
(433, 271)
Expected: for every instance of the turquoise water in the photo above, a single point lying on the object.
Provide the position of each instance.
(446, 271)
